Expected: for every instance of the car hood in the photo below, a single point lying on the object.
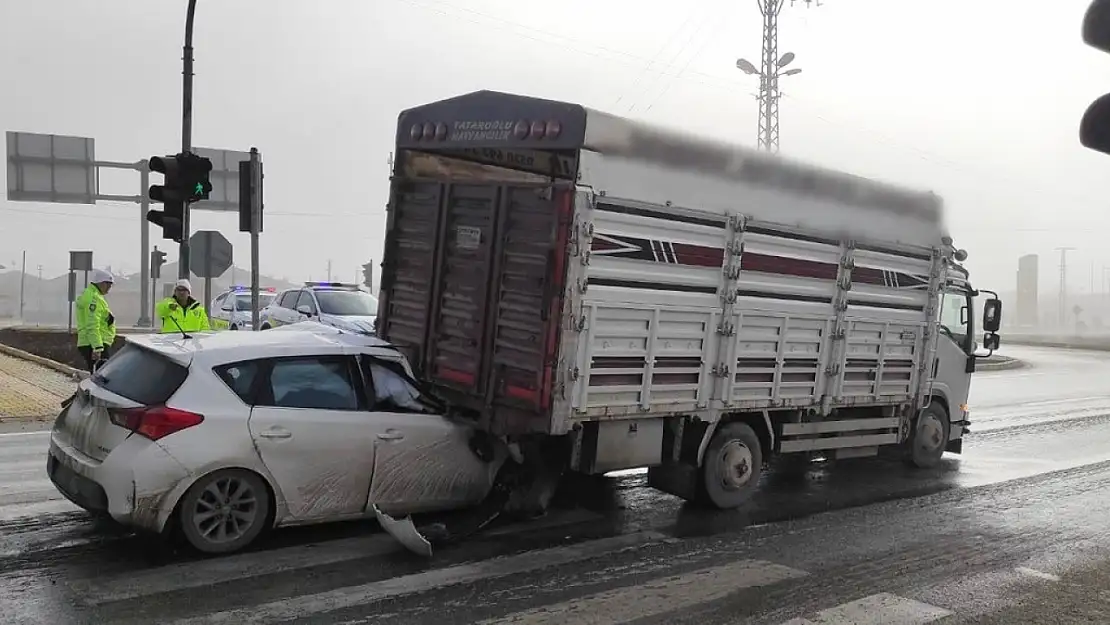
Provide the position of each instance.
(354, 323)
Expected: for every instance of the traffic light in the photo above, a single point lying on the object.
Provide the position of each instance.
(1094, 129)
(197, 172)
(368, 275)
(157, 259)
(250, 195)
(169, 193)
(186, 180)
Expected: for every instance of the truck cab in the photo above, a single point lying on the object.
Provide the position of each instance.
(958, 351)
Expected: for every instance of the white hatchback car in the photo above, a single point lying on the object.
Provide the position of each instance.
(227, 434)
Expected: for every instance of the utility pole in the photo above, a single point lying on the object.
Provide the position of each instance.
(329, 270)
(186, 130)
(770, 73)
(40, 290)
(1063, 312)
(22, 284)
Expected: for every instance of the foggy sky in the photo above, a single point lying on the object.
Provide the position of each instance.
(978, 101)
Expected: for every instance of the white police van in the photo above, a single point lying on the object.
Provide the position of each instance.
(340, 305)
(231, 310)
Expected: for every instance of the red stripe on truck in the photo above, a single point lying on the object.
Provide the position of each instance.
(691, 255)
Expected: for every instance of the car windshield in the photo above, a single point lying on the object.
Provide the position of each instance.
(243, 300)
(353, 303)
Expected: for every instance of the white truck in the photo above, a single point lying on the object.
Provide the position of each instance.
(614, 295)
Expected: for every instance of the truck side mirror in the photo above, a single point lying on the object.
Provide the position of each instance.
(991, 341)
(992, 315)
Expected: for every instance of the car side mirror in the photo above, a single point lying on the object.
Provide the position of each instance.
(992, 315)
(991, 341)
(304, 310)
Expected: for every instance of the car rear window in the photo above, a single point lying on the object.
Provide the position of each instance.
(141, 375)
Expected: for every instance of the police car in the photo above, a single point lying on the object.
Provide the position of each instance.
(232, 309)
(336, 304)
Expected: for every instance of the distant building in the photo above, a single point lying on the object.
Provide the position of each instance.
(1027, 291)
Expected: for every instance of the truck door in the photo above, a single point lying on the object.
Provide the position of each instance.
(472, 288)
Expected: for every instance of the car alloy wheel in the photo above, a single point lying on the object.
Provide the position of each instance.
(225, 511)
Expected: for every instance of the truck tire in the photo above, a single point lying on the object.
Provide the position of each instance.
(732, 466)
(929, 437)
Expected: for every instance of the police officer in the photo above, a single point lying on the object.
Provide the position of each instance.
(180, 312)
(96, 326)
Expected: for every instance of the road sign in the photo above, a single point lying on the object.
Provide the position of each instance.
(80, 261)
(210, 254)
(51, 168)
(224, 177)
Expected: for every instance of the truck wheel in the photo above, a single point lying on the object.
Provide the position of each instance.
(929, 437)
(732, 466)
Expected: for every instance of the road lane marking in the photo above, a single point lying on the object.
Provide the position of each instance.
(33, 434)
(881, 609)
(36, 509)
(656, 597)
(187, 575)
(353, 596)
(1038, 574)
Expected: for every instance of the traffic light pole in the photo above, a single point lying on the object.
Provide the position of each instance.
(186, 130)
(145, 294)
(256, 228)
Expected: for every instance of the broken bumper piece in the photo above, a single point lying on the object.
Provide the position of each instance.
(404, 530)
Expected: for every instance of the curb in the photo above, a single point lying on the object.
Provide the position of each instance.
(76, 374)
(1105, 347)
(1008, 364)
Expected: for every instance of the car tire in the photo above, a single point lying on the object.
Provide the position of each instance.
(234, 327)
(225, 511)
(731, 467)
(928, 438)
(265, 326)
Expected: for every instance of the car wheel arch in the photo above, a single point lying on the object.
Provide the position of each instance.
(169, 514)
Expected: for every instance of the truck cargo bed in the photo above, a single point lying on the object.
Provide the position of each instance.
(715, 314)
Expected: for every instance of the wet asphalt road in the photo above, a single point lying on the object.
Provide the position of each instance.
(860, 542)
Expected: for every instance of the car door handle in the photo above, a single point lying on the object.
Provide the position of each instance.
(275, 433)
(390, 435)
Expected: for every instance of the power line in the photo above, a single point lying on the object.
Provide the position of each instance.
(658, 53)
(710, 20)
(705, 41)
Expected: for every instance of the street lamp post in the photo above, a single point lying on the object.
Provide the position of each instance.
(769, 96)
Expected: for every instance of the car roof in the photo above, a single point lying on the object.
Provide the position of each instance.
(307, 337)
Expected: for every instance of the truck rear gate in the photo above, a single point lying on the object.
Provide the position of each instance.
(472, 291)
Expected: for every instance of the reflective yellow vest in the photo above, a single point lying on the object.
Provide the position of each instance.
(96, 326)
(177, 318)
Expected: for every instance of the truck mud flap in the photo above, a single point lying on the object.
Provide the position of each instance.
(404, 530)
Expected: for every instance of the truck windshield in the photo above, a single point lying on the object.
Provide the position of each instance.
(354, 303)
(955, 315)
